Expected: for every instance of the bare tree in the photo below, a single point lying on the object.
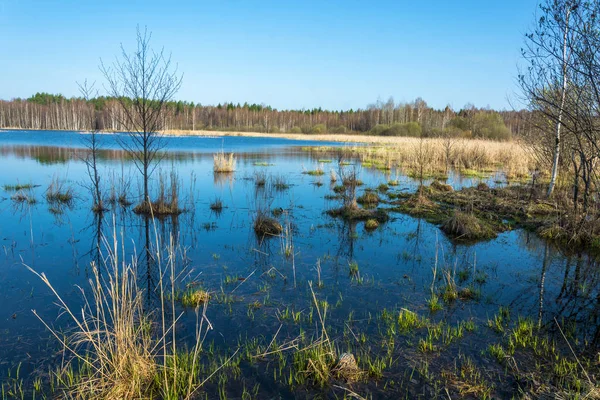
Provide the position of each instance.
(143, 82)
(92, 145)
(547, 49)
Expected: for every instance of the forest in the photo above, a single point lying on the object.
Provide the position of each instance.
(389, 118)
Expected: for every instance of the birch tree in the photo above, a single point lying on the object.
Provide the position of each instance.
(142, 82)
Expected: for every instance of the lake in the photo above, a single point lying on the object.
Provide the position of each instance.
(258, 286)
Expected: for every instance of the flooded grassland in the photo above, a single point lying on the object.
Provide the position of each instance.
(305, 272)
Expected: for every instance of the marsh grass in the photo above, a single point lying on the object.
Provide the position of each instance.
(369, 198)
(371, 224)
(353, 212)
(58, 192)
(280, 183)
(318, 171)
(265, 226)
(18, 186)
(224, 162)
(119, 191)
(318, 363)
(333, 178)
(23, 197)
(260, 179)
(117, 349)
(167, 200)
(262, 164)
(424, 158)
(463, 225)
(216, 204)
(192, 297)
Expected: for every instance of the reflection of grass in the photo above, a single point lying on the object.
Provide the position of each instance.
(262, 164)
(58, 193)
(23, 197)
(216, 204)
(16, 187)
(280, 183)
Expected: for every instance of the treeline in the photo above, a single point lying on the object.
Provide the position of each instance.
(48, 111)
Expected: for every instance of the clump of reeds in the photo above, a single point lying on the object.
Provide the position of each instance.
(118, 191)
(318, 171)
(441, 187)
(318, 362)
(18, 186)
(216, 204)
(193, 297)
(369, 198)
(167, 201)
(224, 162)
(371, 224)
(266, 226)
(352, 212)
(280, 183)
(429, 157)
(118, 349)
(333, 176)
(58, 193)
(260, 179)
(23, 197)
(463, 225)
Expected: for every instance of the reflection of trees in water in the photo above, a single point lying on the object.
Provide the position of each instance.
(575, 303)
(261, 251)
(347, 235)
(62, 154)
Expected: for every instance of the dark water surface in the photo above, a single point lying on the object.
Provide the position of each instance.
(396, 261)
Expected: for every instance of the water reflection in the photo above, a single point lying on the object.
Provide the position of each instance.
(517, 269)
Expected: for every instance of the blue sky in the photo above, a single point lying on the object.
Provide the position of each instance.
(289, 54)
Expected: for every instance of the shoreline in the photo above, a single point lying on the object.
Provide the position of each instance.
(342, 138)
(327, 137)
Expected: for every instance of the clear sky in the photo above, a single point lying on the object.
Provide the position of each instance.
(289, 54)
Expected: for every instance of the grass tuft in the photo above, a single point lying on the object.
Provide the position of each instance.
(223, 162)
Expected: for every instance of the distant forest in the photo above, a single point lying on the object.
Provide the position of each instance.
(56, 112)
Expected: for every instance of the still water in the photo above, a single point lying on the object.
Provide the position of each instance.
(396, 261)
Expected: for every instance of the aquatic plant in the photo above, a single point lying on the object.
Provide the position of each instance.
(167, 201)
(18, 186)
(223, 162)
(315, 172)
(266, 226)
(371, 224)
(462, 225)
(23, 197)
(280, 183)
(260, 179)
(113, 351)
(333, 176)
(58, 192)
(441, 187)
(192, 297)
(216, 204)
(368, 199)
